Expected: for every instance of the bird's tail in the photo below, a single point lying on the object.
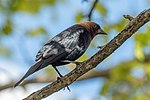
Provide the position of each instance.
(32, 69)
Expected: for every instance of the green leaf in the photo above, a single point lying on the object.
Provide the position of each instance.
(120, 25)
(101, 9)
(7, 28)
(50, 2)
(4, 51)
(116, 26)
(31, 6)
(79, 16)
(105, 88)
(141, 40)
(37, 31)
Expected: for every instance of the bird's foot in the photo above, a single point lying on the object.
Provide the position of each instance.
(58, 78)
(67, 88)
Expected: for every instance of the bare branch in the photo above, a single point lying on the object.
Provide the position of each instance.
(91, 63)
(91, 10)
(128, 17)
(91, 74)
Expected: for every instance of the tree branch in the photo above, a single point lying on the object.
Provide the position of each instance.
(128, 17)
(91, 74)
(92, 62)
(47, 79)
(91, 10)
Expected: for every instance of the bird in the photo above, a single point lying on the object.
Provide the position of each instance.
(65, 47)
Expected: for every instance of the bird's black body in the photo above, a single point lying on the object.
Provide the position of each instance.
(68, 45)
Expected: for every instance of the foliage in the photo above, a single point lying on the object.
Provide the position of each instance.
(129, 80)
(101, 8)
(126, 83)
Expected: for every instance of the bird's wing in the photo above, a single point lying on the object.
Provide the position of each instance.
(54, 50)
(50, 50)
(47, 55)
(57, 48)
(61, 45)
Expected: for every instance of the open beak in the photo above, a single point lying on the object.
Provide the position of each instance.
(101, 32)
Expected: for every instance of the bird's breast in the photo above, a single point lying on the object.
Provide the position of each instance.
(80, 47)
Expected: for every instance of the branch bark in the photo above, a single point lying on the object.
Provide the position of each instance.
(92, 62)
(47, 79)
(91, 74)
(128, 17)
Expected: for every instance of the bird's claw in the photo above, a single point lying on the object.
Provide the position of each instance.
(58, 78)
(67, 88)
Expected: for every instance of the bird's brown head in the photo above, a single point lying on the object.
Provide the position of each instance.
(92, 28)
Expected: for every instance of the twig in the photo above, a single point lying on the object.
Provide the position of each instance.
(91, 74)
(91, 63)
(128, 17)
(91, 10)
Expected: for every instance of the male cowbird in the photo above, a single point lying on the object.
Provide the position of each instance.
(65, 47)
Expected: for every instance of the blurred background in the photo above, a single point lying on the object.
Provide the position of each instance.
(25, 25)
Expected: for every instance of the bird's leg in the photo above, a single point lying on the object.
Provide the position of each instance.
(60, 77)
(57, 71)
(74, 62)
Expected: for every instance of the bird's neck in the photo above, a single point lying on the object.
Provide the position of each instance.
(89, 28)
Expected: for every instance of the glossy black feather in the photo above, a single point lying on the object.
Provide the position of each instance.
(72, 43)
(68, 45)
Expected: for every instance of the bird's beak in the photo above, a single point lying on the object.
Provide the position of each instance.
(100, 31)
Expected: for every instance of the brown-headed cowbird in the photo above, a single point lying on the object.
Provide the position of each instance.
(69, 45)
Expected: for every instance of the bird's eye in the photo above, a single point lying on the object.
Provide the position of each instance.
(96, 27)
